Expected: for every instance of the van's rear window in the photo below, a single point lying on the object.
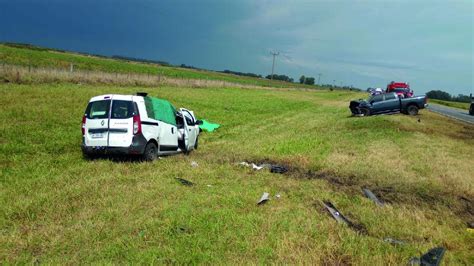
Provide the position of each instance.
(122, 109)
(98, 109)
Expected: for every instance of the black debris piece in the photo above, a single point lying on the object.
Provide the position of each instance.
(185, 182)
(431, 258)
(372, 196)
(278, 169)
(470, 224)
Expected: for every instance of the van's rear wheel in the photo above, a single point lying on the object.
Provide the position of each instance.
(150, 152)
(196, 144)
(412, 110)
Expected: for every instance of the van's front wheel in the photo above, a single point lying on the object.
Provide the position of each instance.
(150, 153)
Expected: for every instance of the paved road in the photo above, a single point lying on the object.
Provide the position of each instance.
(455, 113)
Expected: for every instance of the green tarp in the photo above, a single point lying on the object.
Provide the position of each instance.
(208, 126)
(161, 110)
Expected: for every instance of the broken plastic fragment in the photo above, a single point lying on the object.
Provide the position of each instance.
(244, 164)
(194, 164)
(184, 181)
(371, 196)
(256, 167)
(265, 197)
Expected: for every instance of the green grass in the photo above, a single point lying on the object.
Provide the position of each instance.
(459, 105)
(58, 208)
(62, 60)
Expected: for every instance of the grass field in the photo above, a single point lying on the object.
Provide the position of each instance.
(459, 105)
(56, 207)
(44, 58)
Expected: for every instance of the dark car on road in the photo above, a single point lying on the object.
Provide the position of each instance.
(388, 103)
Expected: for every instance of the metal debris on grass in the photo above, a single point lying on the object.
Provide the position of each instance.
(194, 164)
(185, 182)
(335, 213)
(431, 258)
(371, 196)
(341, 219)
(265, 197)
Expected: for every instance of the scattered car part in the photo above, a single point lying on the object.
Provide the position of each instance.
(393, 241)
(265, 197)
(256, 167)
(371, 196)
(335, 213)
(341, 219)
(470, 224)
(431, 258)
(194, 164)
(246, 164)
(185, 182)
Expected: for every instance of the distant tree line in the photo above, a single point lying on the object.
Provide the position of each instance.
(241, 73)
(139, 60)
(306, 80)
(280, 77)
(442, 95)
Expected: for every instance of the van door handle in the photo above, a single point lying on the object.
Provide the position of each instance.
(172, 130)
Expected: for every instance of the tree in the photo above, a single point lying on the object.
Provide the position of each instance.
(280, 77)
(309, 81)
(438, 94)
(302, 79)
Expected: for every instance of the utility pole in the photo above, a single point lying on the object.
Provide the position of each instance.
(334, 83)
(273, 64)
(319, 78)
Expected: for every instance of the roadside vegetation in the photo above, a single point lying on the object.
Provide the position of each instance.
(58, 208)
(33, 58)
(459, 105)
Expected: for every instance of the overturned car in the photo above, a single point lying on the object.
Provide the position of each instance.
(388, 103)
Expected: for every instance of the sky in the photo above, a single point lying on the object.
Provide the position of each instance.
(427, 43)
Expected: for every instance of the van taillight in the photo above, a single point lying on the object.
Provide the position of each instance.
(83, 125)
(137, 125)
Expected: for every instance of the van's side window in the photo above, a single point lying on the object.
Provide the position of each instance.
(98, 109)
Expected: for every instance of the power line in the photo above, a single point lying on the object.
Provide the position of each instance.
(273, 64)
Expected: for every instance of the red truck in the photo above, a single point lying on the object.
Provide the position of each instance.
(400, 88)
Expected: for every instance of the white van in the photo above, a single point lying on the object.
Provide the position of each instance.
(137, 125)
